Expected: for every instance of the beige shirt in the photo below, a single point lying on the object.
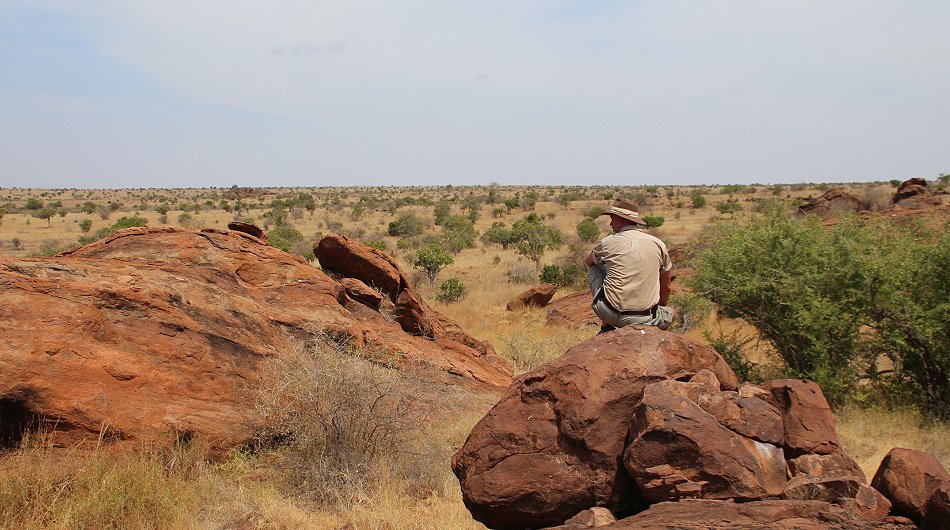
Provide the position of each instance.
(633, 260)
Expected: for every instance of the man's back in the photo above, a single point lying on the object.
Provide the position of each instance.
(633, 260)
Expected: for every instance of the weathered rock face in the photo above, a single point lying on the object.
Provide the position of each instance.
(913, 193)
(936, 514)
(155, 331)
(766, 514)
(833, 201)
(908, 478)
(537, 296)
(349, 258)
(808, 420)
(552, 445)
(573, 310)
(678, 450)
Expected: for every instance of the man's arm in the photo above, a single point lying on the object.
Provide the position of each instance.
(665, 286)
(589, 260)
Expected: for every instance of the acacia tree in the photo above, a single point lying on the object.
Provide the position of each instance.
(431, 259)
(533, 238)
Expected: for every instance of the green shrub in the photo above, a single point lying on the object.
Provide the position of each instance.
(654, 221)
(587, 230)
(85, 225)
(431, 259)
(730, 347)
(284, 238)
(551, 274)
(458, 233)
(407, 224)
(698, 200)
(451, 290)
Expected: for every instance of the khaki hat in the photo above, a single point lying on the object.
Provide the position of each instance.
(626, 210)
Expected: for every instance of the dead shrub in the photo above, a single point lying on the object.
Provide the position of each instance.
(337, 420)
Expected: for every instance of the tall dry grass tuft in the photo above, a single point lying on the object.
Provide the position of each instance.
(867, 434)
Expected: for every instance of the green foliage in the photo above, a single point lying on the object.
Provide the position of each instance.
(551, 274)
(88, 207)
(513, 202)
(431, 259)
(499, 234)
(85, 225)
(45, 214)
(698, 200)
(894, 182)
(441, 211)
(458, 233)
(654, 221)
(33, 204)
(691, 310)
(284, 238)
(123, 222)
(832, 302)
(732, 189)
(730, 347)
(729, 208)
(378, 245)
(451, 290)
(594, 212)
(407, 224)
(587, 230)
(533, 238)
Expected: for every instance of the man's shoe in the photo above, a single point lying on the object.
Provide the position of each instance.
(604, 328)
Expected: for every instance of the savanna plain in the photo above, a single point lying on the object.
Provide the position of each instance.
(459, 245)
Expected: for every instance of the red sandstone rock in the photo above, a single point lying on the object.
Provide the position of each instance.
(573, 310)
(936, 514)
(913, 193)
(868, 503)
(809, 423)
(678, 450)
(833, 201)
(551, 446)
(155, 331)
(352, 259)
(591, 518)
(836, 464)
(249, 229)
(702, 514)
(537, 296)
(362, 293)
(908, 478)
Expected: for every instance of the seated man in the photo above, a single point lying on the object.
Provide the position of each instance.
(629, 273)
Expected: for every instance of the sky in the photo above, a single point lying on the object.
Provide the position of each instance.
(126, 93)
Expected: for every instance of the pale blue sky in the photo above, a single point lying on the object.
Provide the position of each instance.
(119, 93)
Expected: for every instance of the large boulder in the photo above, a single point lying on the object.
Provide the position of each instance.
(936, 515)
(537, 296)
(158, 331)
(908, 478)
(350, 258)
(831, 202)
(552, 446)
(678, 450)
(913, 193)
(573, 310)
(806, 416)
(765, 515)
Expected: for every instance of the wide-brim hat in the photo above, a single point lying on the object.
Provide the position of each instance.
(627, 210)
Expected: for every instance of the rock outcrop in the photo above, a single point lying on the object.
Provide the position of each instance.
(537, 296)
(350, 258)
(573, 310)
(552, 446)
(669, 410)
(914, 193)
(909, 478)
(832, 202)
(158, 331)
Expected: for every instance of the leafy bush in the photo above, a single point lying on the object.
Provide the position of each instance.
(123, 222)
(654, 221)
(85, 225)
(833, 301)
(284, 237)
(533, 238)
(451, 290)
(499, 234)
(698, 200)
(730, 347)
(729, 208)
(431, 259)
(458, 233)
(551, 274)
(407, 224)
(587, 230)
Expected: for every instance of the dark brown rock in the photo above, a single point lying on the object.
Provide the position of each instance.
(537, 296)
(747, 416)
(908, 478)
(831, 489)
(248, 229)
(936, 514)
(703, 514)
(913, 193)
(362, 293)
(157, 331)
(573, 310)
(808, 420)
(551, 446)
(678, 450)
(831, 202)
(868, 503)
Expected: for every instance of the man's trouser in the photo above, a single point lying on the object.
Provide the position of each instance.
(662, 318)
